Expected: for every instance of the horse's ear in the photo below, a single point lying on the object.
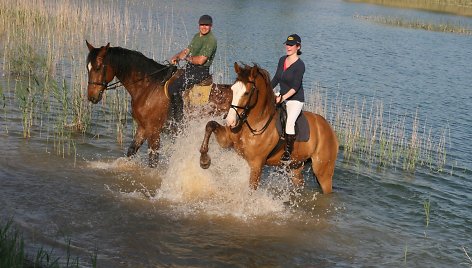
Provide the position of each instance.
(102, 53)
(254, 71)
(237, 68)
(90, 47)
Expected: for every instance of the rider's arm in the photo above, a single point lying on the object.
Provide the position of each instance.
(180, 56)
(197, 60)
(289, 94)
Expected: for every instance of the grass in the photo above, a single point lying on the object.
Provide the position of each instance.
(446, 27)
(13, 254)
(457, 7)
(381, 137)
(427, 208)
(469, 260)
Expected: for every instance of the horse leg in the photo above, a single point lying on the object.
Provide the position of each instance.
(297, 176)
(255, 175)
(136, 143)
(154, 144)
(323, 171)
(222, 139)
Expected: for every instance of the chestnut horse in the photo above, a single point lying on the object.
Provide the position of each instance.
(251, 130)
(144, 80)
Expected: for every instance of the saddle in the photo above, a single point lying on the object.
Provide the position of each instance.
(302, 129)
(197, 94)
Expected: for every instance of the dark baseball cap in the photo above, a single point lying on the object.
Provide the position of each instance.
(205, 19)
(293, 39)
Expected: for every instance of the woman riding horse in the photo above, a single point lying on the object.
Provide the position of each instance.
(251, 130)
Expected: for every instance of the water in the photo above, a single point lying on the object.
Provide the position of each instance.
(180, 215)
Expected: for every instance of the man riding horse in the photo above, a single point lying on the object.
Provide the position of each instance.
(199, 56)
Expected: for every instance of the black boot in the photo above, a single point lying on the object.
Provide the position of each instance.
(289, 140)
(177, 107)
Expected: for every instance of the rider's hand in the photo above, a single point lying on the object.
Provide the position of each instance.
(278, 99)
(174, 60)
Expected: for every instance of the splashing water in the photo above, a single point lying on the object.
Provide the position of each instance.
(188, 190)
(221, 190)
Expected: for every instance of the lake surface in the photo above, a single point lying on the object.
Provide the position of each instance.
(179, 215)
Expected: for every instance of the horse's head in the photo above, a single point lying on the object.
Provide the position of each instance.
(249, 84)
(99, 73)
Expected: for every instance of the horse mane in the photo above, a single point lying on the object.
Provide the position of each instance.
(270, 100)
(125, 60)
(246, 71)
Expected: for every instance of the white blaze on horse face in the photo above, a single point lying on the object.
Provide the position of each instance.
(238, 90)
(89, 66)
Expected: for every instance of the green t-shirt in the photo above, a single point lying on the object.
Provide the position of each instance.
(203, 46)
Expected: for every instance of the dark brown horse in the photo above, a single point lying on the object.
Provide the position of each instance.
(251, 130)
(144, 80)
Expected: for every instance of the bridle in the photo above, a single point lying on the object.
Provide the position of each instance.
(242, 118)
(104, 83)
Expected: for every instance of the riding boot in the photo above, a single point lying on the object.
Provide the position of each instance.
(289, 140)
(177, 107)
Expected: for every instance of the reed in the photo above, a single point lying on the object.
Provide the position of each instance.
(427, 209)
(369, 133)
(12, 252)
(11, 247)
(458, 7)
(469, 260)
(447, 27)
(405, 252)
(55, 33)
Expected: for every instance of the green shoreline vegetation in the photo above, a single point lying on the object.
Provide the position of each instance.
(446, 27)
(456, 7)
(13, 254)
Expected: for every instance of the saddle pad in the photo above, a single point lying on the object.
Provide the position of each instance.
(302, 129)
(199, 95)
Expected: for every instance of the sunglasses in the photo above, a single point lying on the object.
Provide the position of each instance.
(205, 24)
(289, 45)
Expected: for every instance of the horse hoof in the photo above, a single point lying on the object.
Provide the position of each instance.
(205, 161)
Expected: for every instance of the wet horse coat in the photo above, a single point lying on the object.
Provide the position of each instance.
(144, 80)
(250, 129)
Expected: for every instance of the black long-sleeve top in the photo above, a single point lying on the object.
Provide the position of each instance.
(290, 78)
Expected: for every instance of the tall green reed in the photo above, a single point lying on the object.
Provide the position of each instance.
(446, 27)
(369, 133)
(13, 254)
